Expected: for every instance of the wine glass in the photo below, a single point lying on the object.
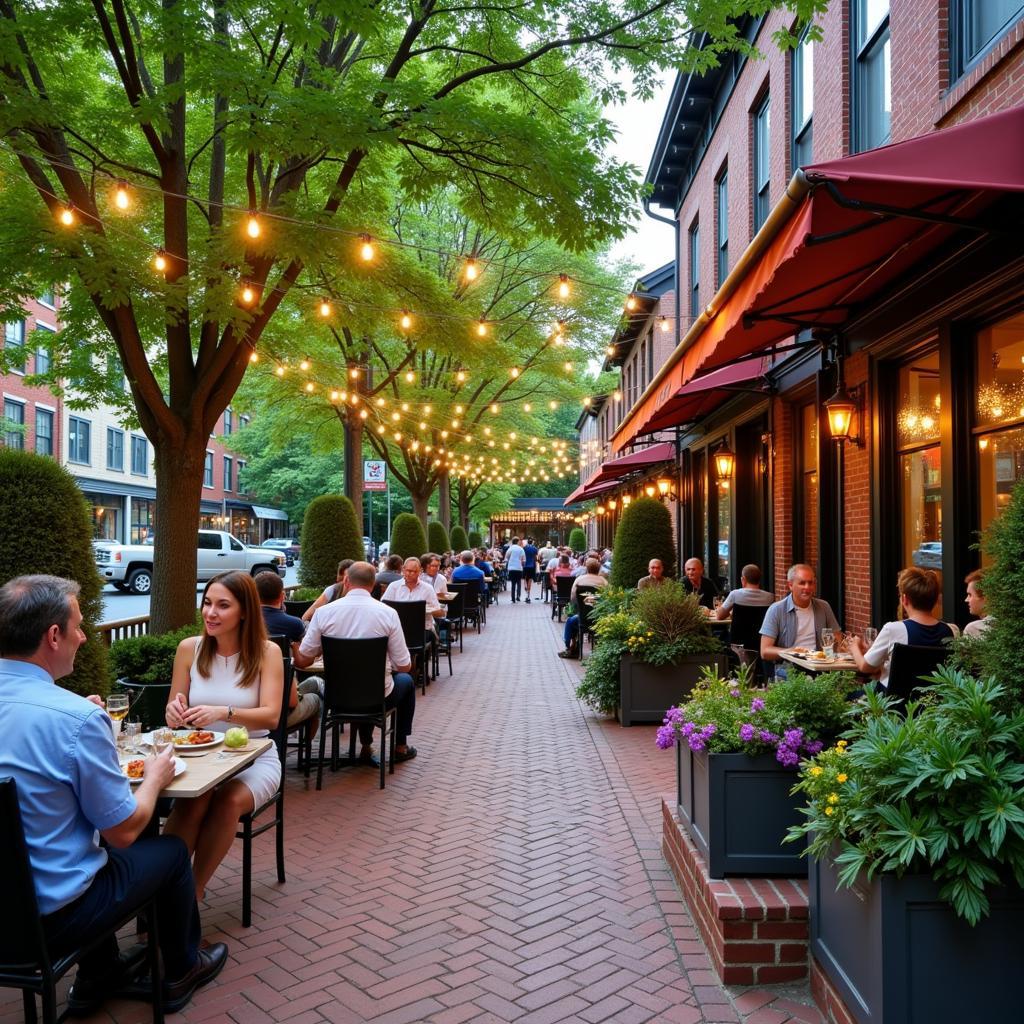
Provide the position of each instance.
(117, 708)
(162, 739)
(716, 601)
(828, 642)
(870, 635)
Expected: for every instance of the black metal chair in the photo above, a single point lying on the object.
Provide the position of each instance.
(455, 616)
(297, 608)
(250, 830)
(413, 616)
(472, 606)
(745, 636)
(584, 611)
(908, 665)
(562, 595)
(354, 693)
(36, 968)
(304, 742)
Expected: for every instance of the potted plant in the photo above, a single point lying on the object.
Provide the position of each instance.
(650, 648)
(916, 828)
(736, 750)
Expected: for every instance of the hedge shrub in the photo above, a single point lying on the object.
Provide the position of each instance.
(437, 538)
(578, 539)
(644, 532)
(46, 527)
(407, 536)
(460, 540)
(330, 533)
(476, 539)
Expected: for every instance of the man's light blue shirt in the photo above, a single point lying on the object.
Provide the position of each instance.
(60, 750)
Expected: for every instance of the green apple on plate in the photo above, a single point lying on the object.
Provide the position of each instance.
(236, 737)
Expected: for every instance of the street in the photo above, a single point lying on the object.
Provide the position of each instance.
(129, 606)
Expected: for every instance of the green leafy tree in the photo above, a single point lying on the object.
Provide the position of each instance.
(297, 112)
(578, 539)
(460, 539)
(476, 539)
(330, 534)
(45, 528)
(437, 537)
(407, 536)
(644, 532)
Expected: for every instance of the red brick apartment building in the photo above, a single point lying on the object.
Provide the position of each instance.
(111, 463)
(848, 219)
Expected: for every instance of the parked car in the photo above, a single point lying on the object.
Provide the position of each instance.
(289, 546)
(928, 555)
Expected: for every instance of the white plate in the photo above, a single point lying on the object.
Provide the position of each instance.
(179, 768)
(218, 737)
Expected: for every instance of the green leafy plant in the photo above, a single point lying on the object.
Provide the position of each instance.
(45, 527)
(940, 791)
(678, 628)
(330, 534)
(578, 539)
(407, 536)
(459, 540)
(644, 532)
(437, 538)
(304, 594)
(476, 539)
(149, 659)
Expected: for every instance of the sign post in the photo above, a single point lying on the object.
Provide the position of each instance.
(375, 478)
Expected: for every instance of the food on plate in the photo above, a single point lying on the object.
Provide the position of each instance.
(799, 650)
(819, 655)
(237, 737)
(135, 769)
(190, 739)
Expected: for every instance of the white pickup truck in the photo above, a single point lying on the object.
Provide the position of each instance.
(130, 566)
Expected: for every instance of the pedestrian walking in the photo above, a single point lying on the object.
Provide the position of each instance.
(515, 560)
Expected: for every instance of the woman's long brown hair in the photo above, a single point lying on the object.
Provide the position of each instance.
(252, 633)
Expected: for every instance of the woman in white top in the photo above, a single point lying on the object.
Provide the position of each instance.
(230, 675)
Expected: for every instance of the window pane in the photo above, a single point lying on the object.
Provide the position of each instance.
(807, 551)
(870, 15)
(762, 135)
(984, 20)
(78, 440)
(1000, 466)
(917, 419)
(695, 271)
(140, 456)
(208, 470)
(1000, 394)
(723, 227)
(803, 83)
(115, 449)
(44, 432)
(14, 338)
(227, 473)
(874, 95)
(14, 415)
(921, 476)
(724, 533)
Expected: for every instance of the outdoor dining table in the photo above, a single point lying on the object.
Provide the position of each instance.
(210, 768)
(837, 663)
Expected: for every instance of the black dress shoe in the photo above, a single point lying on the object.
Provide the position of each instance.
(177, 994)
(87, 994)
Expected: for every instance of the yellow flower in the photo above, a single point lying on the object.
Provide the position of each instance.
(841, 777)
(833, 798)
(817, 770)
(841, 744)
(650, 633)
(830, 811)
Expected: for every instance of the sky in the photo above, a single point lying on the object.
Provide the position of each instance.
(650, 243)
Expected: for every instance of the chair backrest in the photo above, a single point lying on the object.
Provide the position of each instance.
(563, 586)
(22, 943)
(582, 608)
(908, 663)
(455, 605)
(413, 616)
(470, 594)
(297, 608)
(354, 674)
(746, 624)
(280, 734)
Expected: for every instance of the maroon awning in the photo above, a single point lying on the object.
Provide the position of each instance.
(607, 477)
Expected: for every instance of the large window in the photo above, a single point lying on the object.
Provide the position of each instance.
(44, 431)
(143, 516)
(872, 74)
(974, 25)
(803, 100)
(14, 345)
(761, 163)
(805, 542)
(115, 450)
(695, 270)
(44, 342)
(14, 422)
(228, 467)
(227, 421)
(49, 298)
(208, 470)
(78, 440)
(140, 455)
(722, 224)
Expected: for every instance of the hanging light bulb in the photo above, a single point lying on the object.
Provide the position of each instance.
(248, 294)
(325, 308)
(67, 215)
(552, 405)
(515, 372)
(334, 396)
(254, 356)
(279, 370)
(631, 302)
(252, 225)
(304, 365)
(568, 366)
(472, 271)
(381, 402)
(495, 409)
(663, 323)
(121, 198)
(363, 414)
(354, 373)
(410, 376)
(460, 376)
(309, 387)
(160, 261)
(395, 417)
(610, 350)
(406, 320)
(563, 286)
(481, 328)
(527, 407)
(427, 410)
(617, 395)
(366, 249)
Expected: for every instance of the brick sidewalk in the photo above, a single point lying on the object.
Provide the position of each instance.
(512, 872)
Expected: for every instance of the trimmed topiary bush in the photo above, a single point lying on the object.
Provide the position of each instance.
(460, 541)
(407, 536)
(437, 538)
(578, 539)
(46, 527)
(476, 539)
(330, 533)
(644, 532)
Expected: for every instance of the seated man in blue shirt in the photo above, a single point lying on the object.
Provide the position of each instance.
(466, 571)
(59, 748)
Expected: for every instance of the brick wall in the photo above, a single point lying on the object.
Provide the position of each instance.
(857, 509)
(827, 997)
(782, 491)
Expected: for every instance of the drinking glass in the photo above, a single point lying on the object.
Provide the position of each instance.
(132, 732)
(717, 601)
(828, 642)
(870, 635)
(162, 739)
(117, 708)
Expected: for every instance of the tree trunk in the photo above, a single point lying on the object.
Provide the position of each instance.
(353, 428)
(463, 506)
(444, 501)
(420, 503)
(179, 487)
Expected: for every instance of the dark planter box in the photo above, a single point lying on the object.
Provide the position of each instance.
(737, 810)
(897, 953)
(646, 692)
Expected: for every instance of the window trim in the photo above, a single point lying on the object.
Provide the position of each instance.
(20, 403)
(208, 458)
(145, 455)
(722, 242)
(45, 411)
(693, 245)
(87, 461)
(228, 473)
(762, 193)
(110, 432)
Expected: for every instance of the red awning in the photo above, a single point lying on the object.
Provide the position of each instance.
(830, 256)
(591, 489)
(607, 477)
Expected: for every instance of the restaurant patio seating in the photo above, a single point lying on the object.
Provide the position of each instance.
(413, 616)
(745, 636)
(354, 693)
(297, 608)
(36, 970)
(908, 663)
(472, 606)
(584, 611)
(304, 729)
(562, 595)
(456, 618)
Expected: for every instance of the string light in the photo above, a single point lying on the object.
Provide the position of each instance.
(495, 409)
(410, 377)
(254, 356)
(631, 302)
(610, 350)
(568, 366)
(67, 215)
(406, 320)
(563, 286)
(617, 395)
(472, 271)
(460, 376)
(325, 308)
(121, 198)
(248, 294)
(279, 370)
(663, 322)
(309, 388)
(354, 373)
(252, 225)
(481, 328)
(366, 250)
(515, 372)
(304, 365)
(160, 261)
(527, 407)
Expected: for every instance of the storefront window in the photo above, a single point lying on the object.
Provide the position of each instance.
(107, 511)
(724, 532)
(143, 515)
(917, 418)
(806, 545)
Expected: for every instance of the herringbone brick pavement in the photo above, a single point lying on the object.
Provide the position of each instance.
(512, 872)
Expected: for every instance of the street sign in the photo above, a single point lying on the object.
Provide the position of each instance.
(375, 475)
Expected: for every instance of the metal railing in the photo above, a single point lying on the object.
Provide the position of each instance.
(119, 629)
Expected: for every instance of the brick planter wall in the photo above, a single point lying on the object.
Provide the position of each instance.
(755, 929)
(827, 999)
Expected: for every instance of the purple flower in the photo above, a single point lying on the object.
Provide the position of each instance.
(734, 693)
(757, 704)
(709, 730)
(688, 728)
(747, 732)
(696, 742)
(793, 737)
(768, 737)
(786, 757)
(666, 737)
(814, 748)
